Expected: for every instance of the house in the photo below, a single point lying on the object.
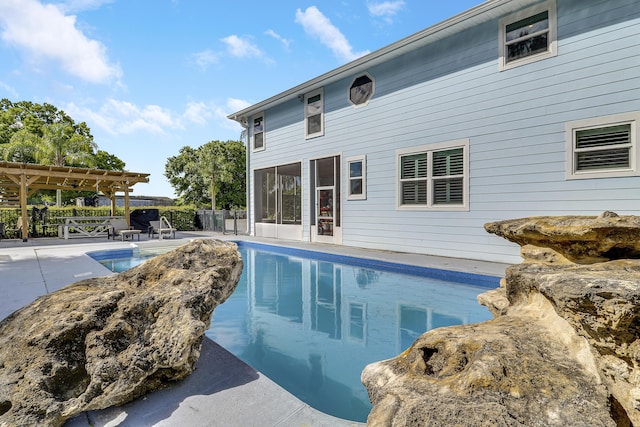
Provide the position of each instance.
(511, 109)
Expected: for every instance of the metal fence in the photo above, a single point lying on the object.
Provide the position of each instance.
(224, 221)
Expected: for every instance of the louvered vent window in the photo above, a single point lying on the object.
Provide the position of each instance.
(603, 148)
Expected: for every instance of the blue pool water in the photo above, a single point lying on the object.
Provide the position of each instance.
(312, 321)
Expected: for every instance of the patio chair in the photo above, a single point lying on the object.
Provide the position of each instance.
(119, 227)
(161, 227)
(17, 232)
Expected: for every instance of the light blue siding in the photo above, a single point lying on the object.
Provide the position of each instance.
(514, 121)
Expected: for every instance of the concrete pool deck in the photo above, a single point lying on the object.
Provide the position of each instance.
(223, 391)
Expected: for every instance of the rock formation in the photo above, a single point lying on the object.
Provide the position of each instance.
(106, 341)
(563, 349)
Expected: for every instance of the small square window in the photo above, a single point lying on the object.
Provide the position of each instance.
(602, 147)
(528, 36)
(314, 114)
(357, 177)
(257, 131)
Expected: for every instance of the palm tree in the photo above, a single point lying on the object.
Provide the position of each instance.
(61, 145)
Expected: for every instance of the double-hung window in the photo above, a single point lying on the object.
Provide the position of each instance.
(257, 130)
(314, 114)
(603, 147)
(357, 176)
(529, 35)
(434, 177)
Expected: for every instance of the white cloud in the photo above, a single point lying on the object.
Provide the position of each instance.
(43, 32)
(385, 9)
(278, 37)
(241, 47)
(197, 112)
(235, 104)
(319, 26)
(8, 89)
(71, 6)
(121, 117)
(205, 58)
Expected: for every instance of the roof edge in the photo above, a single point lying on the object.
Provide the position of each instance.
(429, 32)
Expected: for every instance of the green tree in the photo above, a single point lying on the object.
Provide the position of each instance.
(61, 145)
(183, 175)
(107, 161)
(56, 138)
(41, 133)
(212, 174)
(21, 147)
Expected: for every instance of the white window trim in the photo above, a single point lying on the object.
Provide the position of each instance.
(306, 97)
(597, 122)
(552, 51)
(350, 160)
(264, 133)
(461, 143)
(373, 90)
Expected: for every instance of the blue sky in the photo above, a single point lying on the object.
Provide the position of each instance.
(151, 76)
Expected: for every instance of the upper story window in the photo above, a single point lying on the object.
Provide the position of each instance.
(528, 36)
(434, 177)
(361, 90)
(603, 147)
(314, 114)
(357, 177)
(257, 131)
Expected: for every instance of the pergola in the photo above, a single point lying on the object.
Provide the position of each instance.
(20, 180)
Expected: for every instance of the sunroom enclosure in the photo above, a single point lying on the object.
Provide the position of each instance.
(278, 202)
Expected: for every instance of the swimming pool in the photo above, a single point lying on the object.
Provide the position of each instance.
(311, 321)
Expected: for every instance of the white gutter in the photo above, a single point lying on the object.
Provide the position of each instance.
(491, 9)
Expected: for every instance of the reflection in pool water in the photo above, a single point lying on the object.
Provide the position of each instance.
(311, 325)
(312, 321)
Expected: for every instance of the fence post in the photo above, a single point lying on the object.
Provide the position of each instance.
(235, 221)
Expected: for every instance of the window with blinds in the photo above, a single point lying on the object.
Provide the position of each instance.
(434, 178)
(448, 174)
(602, 146)
(413, 179)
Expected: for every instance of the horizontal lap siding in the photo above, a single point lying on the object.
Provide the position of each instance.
(515, 122)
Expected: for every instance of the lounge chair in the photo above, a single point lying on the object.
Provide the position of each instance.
(119, 227)
(161, 227)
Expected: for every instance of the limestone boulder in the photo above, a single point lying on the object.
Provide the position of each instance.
(106, 341)
(505, 372)
(601, 303)
(580, 239)
(563, 348)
